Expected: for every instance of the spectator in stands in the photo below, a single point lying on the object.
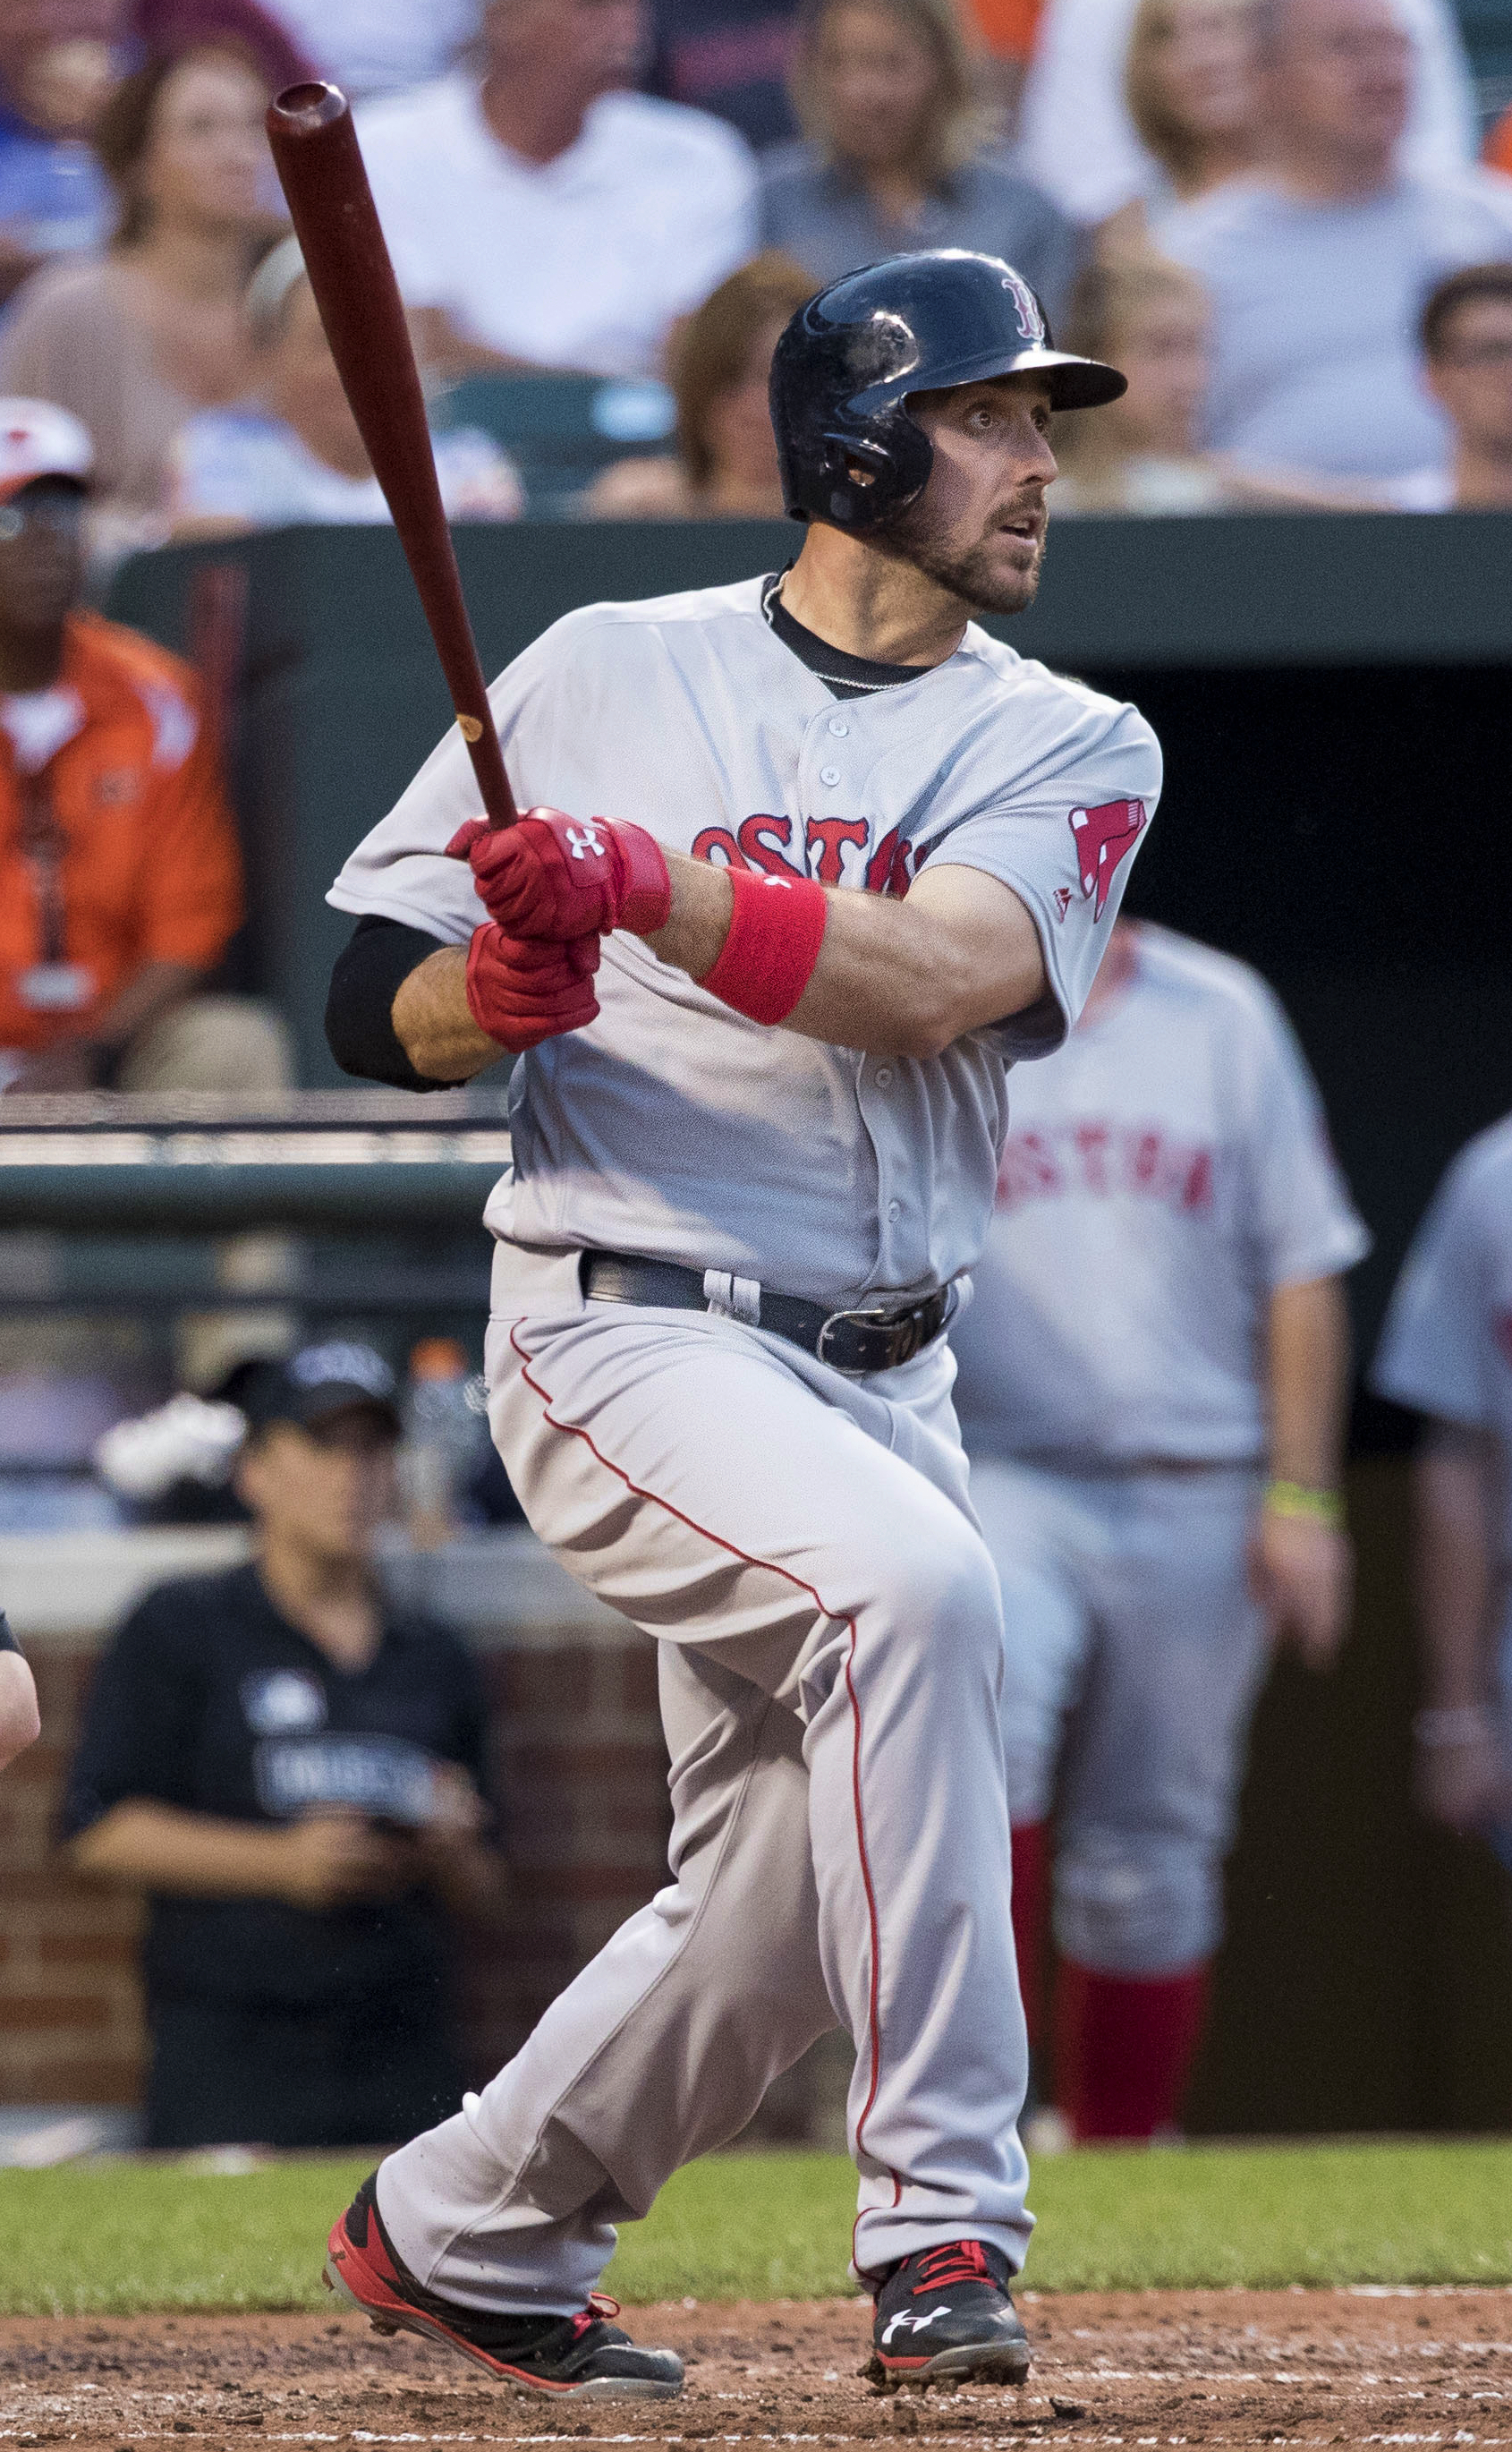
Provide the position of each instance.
(376, 47)
(1192, 83)
(19, 1724)
(542, 216)
(295, 1774)
(294, 453)
(135, 341)
(167, 29)
(1499, 144)
(1466, 335)
(1316, 265)
(1154, 319)
(731, 57)
(726, 462)
(1078, 141)
(57, 65)
(120, 883)
(895, 152)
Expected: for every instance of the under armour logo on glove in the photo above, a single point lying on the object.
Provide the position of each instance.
(554, 878)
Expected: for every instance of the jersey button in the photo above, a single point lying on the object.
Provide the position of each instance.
(829, 774)
(838, 727)
(895, 1210)
(884, 1075)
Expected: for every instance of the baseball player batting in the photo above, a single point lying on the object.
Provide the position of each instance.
(1152, 1386)
(1447, 1350)
(862, 860)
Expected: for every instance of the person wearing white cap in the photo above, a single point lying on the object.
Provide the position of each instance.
(120, 877)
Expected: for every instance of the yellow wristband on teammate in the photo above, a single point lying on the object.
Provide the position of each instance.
(1312, 1506)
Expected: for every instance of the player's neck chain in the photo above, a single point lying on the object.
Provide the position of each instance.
(847, 676)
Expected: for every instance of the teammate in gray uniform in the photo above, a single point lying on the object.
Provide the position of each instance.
(1447, 1350)
(1152, 1390)
(864, 858)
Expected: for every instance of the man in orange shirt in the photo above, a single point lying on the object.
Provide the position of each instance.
(120, 878)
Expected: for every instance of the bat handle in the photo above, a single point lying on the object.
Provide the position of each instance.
(488, 766)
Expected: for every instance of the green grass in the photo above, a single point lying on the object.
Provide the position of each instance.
(121, 2238)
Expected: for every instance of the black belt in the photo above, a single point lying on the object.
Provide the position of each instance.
(854, 1342)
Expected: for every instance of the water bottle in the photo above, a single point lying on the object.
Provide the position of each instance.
(443, 1435)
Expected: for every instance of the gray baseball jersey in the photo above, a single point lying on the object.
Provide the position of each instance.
(1447, 1348)
(674, 1127)
(1164, 1174)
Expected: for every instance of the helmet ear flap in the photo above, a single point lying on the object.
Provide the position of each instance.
(870, 476)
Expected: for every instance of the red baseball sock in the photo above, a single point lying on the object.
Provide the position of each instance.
(1124, 2048)
(1032, 1869)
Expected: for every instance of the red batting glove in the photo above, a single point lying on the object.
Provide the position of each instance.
(520, 993)
(557, 878)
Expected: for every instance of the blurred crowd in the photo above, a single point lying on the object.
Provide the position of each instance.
(1290, 220)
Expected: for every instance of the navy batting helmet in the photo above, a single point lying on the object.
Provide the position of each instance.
(844, 367)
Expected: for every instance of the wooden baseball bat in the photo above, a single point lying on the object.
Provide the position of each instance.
(320, 165)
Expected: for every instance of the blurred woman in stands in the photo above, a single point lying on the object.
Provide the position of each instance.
(293, 453)
(897, 152)
(726, 462)
(137, 339)
(1192, 85)
(1151, 317)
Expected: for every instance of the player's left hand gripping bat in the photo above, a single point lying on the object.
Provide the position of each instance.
(331, 203)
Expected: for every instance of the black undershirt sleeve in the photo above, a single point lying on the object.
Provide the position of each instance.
(377, 959)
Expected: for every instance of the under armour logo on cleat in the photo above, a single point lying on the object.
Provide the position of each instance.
(587, 845)
(913, 2324)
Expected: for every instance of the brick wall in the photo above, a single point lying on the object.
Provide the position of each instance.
(580, 1765)
(71, 2021)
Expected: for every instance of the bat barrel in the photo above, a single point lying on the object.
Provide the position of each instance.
(320, 165)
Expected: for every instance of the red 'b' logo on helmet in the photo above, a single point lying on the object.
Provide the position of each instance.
(1105, 836)
(1026, 307)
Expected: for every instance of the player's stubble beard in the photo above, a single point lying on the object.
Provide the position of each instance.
(970, 573)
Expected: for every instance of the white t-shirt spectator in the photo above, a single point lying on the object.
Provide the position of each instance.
(1078, 142)
(372, 47)
(580, 262)
(1315, 310)
(240, 464)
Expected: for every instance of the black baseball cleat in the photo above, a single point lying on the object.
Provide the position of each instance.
(946, 2312)
(581, 2357)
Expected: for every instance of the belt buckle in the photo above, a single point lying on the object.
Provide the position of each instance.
(906, 1329)
(864, 1322)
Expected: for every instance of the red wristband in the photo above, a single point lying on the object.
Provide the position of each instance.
(776, 931)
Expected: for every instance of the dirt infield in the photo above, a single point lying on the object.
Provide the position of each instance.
(1176, 2368)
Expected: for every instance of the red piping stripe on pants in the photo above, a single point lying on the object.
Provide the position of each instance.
(574, 1430)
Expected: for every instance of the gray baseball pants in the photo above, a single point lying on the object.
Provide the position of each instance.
(803, 1548)
(1134, 1653)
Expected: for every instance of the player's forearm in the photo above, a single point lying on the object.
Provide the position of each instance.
(433, 1023)
(149, 1846)
(893, 978)
(1452, 1500)
(19, 1724)
(1308, 1337)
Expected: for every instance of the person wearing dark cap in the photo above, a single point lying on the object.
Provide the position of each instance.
(294, 1774)
(19, 1724)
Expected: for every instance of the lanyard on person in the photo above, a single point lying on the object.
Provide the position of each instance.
(53, 984)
